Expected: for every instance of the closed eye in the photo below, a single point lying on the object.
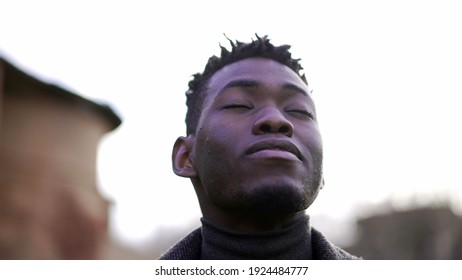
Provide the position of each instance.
(237, 106)
(302, 112)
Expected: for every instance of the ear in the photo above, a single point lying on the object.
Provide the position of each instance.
(181, 157)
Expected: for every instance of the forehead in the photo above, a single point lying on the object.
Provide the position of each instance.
(266, 71)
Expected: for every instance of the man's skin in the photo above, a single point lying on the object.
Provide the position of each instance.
(256, 157)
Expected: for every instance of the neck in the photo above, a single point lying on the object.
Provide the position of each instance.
(251, 222)
(290, 242)
(244, 220)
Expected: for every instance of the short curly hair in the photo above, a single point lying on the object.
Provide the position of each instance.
(261, 47)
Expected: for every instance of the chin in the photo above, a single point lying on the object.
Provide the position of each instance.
(278, 199)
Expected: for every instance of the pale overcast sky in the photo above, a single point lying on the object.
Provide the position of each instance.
(386, 77)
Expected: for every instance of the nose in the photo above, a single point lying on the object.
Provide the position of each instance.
(271, 120)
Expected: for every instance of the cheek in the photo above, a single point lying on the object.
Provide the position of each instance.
(214, 148)
(312, 141)
(316, 145)
(215, 162)
(220, 134)
(317, 154)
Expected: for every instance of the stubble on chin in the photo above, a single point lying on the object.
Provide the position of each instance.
(272, 200)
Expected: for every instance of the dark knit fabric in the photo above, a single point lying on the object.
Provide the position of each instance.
(299, 241)
(290, 243)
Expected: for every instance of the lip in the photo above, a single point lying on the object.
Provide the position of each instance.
(274, 148)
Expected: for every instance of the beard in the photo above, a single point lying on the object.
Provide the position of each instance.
(240, 185)
(272, 199)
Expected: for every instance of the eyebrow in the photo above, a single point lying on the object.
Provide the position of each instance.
(245, 83)
(295, 88)
(239, 83)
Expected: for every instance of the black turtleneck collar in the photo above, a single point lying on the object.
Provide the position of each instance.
(290, 243)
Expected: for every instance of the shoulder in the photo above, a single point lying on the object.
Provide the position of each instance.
(188, 248)
(325, 250)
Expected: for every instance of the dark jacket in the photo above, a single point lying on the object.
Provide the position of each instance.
(189, 248)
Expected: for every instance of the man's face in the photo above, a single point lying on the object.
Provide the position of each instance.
(257, 147)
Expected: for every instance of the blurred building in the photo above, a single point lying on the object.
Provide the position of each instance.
(50, 207)
(430, 233)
